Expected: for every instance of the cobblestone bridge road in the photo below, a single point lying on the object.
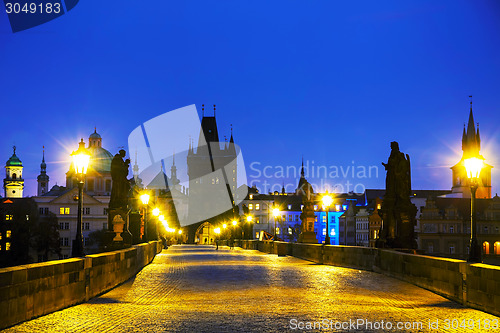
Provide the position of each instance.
(198, 289)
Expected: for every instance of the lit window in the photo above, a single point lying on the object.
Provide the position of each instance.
(289, 231)
(289, 207)
(0, 235)
(8, 217)
(256, 234)
(250, 206)
(324, 231)
(324, 218)
(7, 246)
(301, 207)
(344, 207)
(379, 206)
(315, 207)
(337, 208)
(251, 196)
(277, 231)
(66, 210)
(8, 233)
(257, 206)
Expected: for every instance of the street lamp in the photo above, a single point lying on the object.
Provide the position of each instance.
(473, 168)
(235, 223)
(224, 226)
(156, 212)
(276, 214)
(327, 201)
(145, 201)
(249, 220)
(81, 159)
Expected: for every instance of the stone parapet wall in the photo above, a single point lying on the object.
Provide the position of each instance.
(34, 290)
(474, 285)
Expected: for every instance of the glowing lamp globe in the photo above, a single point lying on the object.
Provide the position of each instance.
(81, 159)
(327, 200)
(145, 198)
(473, 167)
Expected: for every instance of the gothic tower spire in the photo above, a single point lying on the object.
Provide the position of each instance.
(43, 178)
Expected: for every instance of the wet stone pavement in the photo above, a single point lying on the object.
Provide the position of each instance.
(197, 289)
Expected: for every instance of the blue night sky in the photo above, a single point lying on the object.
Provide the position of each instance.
(334, 81)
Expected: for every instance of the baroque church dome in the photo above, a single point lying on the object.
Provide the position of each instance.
(100, 158)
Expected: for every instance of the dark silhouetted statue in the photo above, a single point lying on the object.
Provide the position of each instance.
(397, 212)
(118, 233)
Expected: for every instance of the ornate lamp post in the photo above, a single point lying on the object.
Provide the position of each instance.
(327, 201)
(276, 214)
(235, 223)
(473, 167)
(81, 160)
(156, 213)
(145, 201)
(249, 220)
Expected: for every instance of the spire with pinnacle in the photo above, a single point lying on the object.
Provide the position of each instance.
(173, 172)
(302, 169)
(471, 141)
(43, 178)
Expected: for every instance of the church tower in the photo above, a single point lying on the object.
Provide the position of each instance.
(471, 145)
(212, 168)
(43, 178)
(13, 184)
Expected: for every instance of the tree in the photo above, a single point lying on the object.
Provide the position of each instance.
(45, 235)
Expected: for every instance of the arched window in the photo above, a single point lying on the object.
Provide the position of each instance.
(14, 176)
(486, 248)
(497, 248)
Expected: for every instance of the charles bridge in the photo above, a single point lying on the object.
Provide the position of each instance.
(250, 288)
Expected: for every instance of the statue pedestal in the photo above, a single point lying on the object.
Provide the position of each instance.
(308, 237)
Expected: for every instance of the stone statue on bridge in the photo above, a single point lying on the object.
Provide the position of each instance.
(397, 212)
(118, 213)
(120, 186)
